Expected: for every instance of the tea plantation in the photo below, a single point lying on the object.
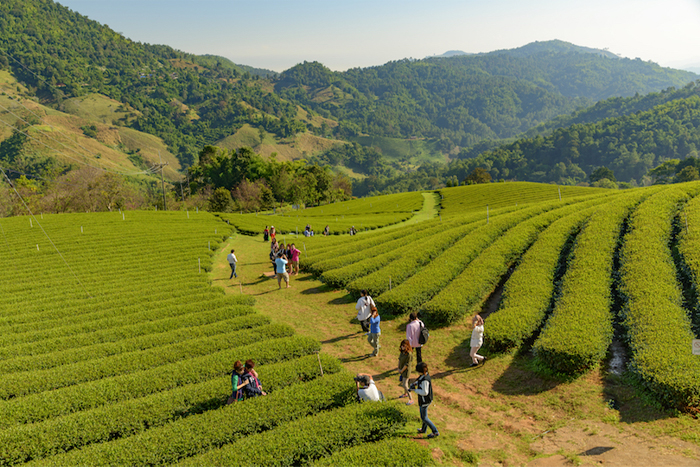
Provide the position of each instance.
(573, 265)
(115, 349)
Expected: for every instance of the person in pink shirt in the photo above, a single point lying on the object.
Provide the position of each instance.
(295, 259)
(413, 329)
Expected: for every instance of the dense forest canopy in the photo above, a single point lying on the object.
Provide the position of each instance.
(579, 108)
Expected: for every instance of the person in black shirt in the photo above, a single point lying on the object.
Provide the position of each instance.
(424, 389)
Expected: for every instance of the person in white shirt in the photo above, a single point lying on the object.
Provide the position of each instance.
(477, 340)
(363, 307)
(232, 260)
(368, 391)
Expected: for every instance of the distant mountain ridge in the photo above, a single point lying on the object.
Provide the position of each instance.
(443, 104)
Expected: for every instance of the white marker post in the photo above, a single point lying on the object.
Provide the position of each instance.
(696, 346)
(199, 264)
(559, 188)
(31, 225)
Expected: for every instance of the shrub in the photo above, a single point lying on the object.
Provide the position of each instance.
(308, 439)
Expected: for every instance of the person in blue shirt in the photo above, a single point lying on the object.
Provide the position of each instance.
(281, 263)
(374, 332)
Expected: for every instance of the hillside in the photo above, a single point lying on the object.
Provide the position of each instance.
(463, 99)
(629, 145)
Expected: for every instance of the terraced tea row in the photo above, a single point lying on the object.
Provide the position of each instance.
(122, 354)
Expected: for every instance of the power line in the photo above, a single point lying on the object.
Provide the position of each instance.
(39, 77)
(46, 234)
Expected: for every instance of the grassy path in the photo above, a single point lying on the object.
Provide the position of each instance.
(501, 413)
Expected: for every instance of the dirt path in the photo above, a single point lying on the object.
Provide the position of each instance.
(498, 414)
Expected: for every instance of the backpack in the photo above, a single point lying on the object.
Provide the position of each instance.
(424, 334)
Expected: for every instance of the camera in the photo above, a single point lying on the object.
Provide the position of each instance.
(362, 379)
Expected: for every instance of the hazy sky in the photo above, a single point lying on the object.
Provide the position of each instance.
(277, 34)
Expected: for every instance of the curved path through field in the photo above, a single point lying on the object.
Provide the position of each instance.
(501, 412)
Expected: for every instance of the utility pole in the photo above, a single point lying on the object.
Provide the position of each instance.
(162, 180)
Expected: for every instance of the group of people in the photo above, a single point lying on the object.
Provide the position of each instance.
(369, 319)
(283, 257)
(245, 382)
(269, 234)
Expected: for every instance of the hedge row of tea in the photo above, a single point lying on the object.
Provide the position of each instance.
(363, 214)
(116, 349)
(573, 260)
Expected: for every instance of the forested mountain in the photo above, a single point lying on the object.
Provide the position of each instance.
(463, 105)
(630, 146)
(467, 98)
(188, 100)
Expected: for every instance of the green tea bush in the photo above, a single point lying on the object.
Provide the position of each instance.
(308, 439)
(579, 331)
(529, 290)
(482, 275)
(386, 453)
(430, 280)
(29, 382)
(37, 407)
(200, 433)
(658, 327)
(23, 443)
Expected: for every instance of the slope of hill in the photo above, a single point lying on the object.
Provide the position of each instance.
(466, 98)
(630, 145)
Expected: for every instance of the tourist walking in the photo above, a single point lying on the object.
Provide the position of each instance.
(327, 231)
(423, 387)
(477, 340)
(364, 310)
(405, 362)
(273, 233)
(413, 332)
(266, 234)
(232, 260)
(374, 332)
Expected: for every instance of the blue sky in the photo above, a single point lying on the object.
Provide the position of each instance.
(278, 34)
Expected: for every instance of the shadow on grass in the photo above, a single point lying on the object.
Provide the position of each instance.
(344, 300)
(341, 338)
(358, 358)
(323, 288)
